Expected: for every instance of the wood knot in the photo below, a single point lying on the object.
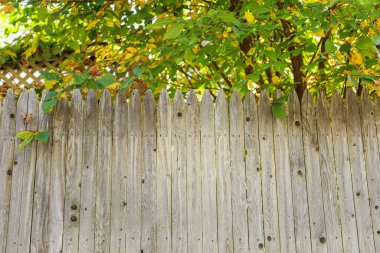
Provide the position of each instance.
(261, 245)
(12, 115)
(73, 218)
(179, 114)
(9, 172)
(74, 207)
(322, 239)
(248, 119)
(297, 123)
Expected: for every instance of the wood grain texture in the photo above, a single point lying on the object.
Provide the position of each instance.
(7, 145)
(223, 166)
(179, 168)
(39, 242)
(119, 176)
(269, 191)
(57, 176)
(73, 175)
(238, 179)
(359, 177)
(313, 175)
(88, 182)
(149, 177)
(164, 174)
(103, 175)
(328, 176)
(209, 212)
(253, 175)
(284, 184)
(194, 175)
(343, 174)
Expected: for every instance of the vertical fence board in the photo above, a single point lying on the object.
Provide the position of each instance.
(7, 145)
(209, 212)
(39, 242)
(88, 182)
(377, 119)
(270, 210)
(359, 181)
(284, 184)
(328, 176)
(148, 189)
(103, 175)
(372, 162)
(223, 160)
(133, 233)
(298, 172)
(179, 199)
(238, 179)
(313, 177)
(164, 174)
(73, 175)
(194, 187)
(13, 240)
(253, 175)
(119, 176)
(57, 178)
(343, 172)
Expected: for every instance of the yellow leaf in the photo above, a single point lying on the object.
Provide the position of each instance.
(356, 58)
(276, 80)
(92, 24)
(30, 51)
(249, 17)
(132, 50)
(225, 34)
(117, 23)
(235, 44)
(377, 22)
(195, 50)
(8, 8)
(371, 33)
(296, 40)
(320, 33)
(49, 84)
(11, 53)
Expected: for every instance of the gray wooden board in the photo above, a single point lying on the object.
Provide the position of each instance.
(39, 235)
(178, 156)
(7, 145)
(103, 175)
(313, 174)
(119, 176)
(149, 188)
(164, 174)
(223, 165)
(253, 175)
(372, 162)
(284, 184)
(13, 240)
(194, 187)
(57, 177)
(209, 212)
(359, 180)
(73, 175)
(328, 176)
(238, 179)
(133, 222)
(88, 182)
(343, 172)
(298, 178)
(269, 191)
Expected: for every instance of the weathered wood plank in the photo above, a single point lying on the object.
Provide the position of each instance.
(253, 175)
(270, 209)
(88, 182)
(372, 162)
(57, 177)
(343, 174)
(103, 175)
(223, 166)
(284, 184)
(209, 212)
(313, 174)
(7, 145)
(164, 174)
(298, 172)
(359, 181)
(328, 176)
(238, 179)
(119, 176)
(39, 236)
(133, 233)
(13, 240)
(149, 184)
(194, 175)
(73, 175)
(179, 198)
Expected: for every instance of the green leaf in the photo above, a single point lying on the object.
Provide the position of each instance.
(79, 78)
(329, 46)
(26, 142)
(278, 110)
(125, 85)
(48, 105)
(42, 136)
(49, 75)
(105, 81)
(50, 95)
(173, 31)
(365, 43)
(24, 134)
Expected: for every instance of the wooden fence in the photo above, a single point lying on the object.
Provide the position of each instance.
(188, 177)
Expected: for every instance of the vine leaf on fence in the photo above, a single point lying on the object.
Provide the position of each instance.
(278, 107)
(29, 136)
